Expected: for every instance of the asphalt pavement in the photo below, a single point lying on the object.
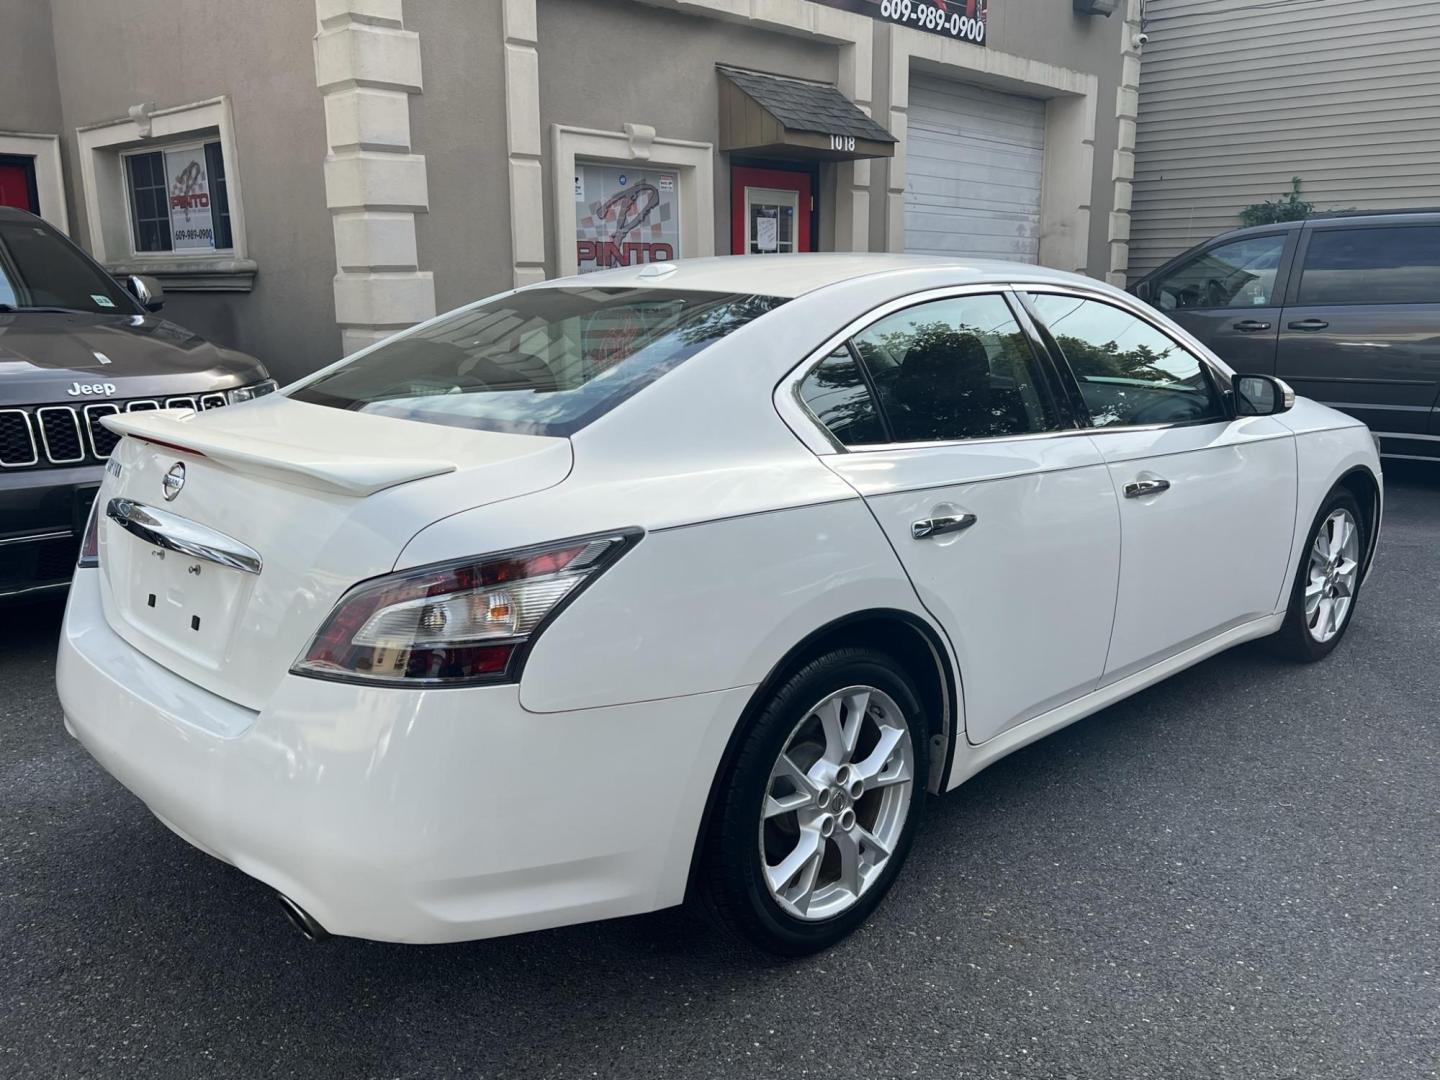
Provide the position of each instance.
(1233, 874)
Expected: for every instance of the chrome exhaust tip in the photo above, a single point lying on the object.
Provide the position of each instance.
(302, 920)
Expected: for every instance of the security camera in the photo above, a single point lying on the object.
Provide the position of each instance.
(1141, 40)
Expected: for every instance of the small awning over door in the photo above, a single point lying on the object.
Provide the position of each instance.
(775, 116)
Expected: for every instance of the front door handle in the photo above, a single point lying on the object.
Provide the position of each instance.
(1251, 326)
(1308, 324)
(939, 526)
(1138, 489)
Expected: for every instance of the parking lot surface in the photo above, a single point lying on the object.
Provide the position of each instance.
(1233, 874)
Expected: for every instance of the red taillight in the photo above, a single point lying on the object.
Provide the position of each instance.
(90, 545)
(458, 621)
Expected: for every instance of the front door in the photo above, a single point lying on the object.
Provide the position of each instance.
(1207, 502)
(17, 183)
(1012, 541)
(769, 211)
(1229, 296)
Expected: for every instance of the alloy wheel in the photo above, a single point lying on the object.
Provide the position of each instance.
(1334, 572)
(836, 802)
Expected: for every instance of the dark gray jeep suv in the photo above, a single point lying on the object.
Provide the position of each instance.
(76, 346)
(1343, 307)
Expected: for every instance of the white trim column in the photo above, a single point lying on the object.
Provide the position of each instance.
(366, 66)
(1127, 108)
(523, 142)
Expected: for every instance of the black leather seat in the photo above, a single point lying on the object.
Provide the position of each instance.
(943, 390)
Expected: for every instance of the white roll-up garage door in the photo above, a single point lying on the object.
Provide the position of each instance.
(973, 160)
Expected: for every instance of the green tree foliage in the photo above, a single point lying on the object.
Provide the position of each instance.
(1289, 207)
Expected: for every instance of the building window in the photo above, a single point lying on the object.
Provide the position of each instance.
(178, 199)
(625, 216)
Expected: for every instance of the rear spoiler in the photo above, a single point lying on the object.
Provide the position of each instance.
(303, 466)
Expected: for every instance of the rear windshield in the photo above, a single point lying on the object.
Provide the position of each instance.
(40, 270)
(537, 362)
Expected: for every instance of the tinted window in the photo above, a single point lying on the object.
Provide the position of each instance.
(836, 393)
(1372, 266)
(1237, 274)
(540, 361)
(955, 369)
(40, 269)
(1129, 372)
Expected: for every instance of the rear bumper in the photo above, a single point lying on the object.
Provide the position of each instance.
(401, 815)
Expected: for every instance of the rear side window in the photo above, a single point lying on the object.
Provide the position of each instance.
(1129, 372)
(537, 362)
(959, 368)
(1398, 265)
(836, 392)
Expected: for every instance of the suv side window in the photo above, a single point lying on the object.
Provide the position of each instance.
(836, 392)
(1399, 265)
(959, 368)
(1129, 372)
(1238, 274)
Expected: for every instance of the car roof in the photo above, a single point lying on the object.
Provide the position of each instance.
(12, 213)
(795, 274)
(1329, 219)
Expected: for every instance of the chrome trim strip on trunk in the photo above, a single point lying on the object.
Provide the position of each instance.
(175, 533)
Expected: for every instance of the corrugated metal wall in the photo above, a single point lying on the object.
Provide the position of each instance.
(1238, 96)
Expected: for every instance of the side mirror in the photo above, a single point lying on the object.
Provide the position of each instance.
(1262, 395)
(1142, 290)
(147, 290)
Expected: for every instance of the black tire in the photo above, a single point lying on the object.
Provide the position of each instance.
(1294, 640)
(732, 887)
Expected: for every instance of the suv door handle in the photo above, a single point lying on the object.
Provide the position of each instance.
(1251, 326)
(1150, 486)
(1308, 324)
(939, 526)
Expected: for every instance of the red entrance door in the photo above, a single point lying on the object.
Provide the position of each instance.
(769, 211)
(17, 183)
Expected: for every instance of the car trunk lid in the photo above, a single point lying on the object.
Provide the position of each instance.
(226, 537)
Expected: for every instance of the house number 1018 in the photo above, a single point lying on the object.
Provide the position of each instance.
(842, 142)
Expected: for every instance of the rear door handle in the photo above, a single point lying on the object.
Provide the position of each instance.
(1138, 489)
(1251, 326)
(1308, 324)
(939, 526)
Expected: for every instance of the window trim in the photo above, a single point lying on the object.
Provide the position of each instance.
(162, 148)
(1311, 230)
(44, 154)
(105, 191)
(1220, 380)
(1283, 273)
(811, 430)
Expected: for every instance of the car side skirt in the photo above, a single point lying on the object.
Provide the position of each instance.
(970, 760)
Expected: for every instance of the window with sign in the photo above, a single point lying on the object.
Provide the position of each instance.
(625, 216)
(178, 199)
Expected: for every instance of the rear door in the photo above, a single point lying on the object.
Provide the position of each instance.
(1207, 501)
(1006, 524)
(1229, 296)
(1362, 329)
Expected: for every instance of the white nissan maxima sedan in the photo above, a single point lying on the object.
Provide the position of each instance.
(683, 580)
